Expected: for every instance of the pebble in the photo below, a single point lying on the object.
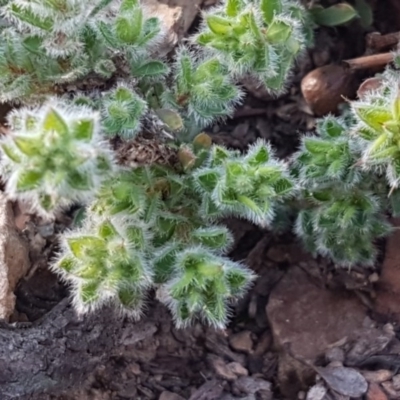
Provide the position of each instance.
(379, 376)
(396, 382)
(242, 342)
(375, 393)
(170, 396)
(335, 354)
(230, 371)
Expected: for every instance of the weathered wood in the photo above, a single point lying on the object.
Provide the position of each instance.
(59, 352)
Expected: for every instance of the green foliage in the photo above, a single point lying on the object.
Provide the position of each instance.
(378, 128)
(202, 90)
(159, 214)
(48, 43)
(343, 212)
(54, 156)
(260, 37)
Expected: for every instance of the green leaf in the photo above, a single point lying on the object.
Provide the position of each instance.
(80, 180)
(29, 180)
(137, 237)
(128, 28)
(107, 230)
(170, 118)
(53, 122)
(333, 128)
(11, 153)
(283, 186)
(67, 264)
(80, 244)
(89, 292)
(27, 145)
(130, 298)
(365, 13)
(30, 18)
(278, 32)
(258, 156)
(218, 25)
(219, 154)
(373, 116)
(128, 5)
(269, 8)
(335, 15)
(317, 146)
(214, 238)
(108, 34)
(396, 109)
(150, 69)
(233, 7)
(83, 129)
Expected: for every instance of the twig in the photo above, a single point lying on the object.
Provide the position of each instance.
(375, 61)
(377, 42)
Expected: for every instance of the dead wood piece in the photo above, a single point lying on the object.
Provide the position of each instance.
(375, 61)
(61, 351)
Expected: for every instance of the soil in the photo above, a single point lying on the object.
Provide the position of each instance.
(247, 360)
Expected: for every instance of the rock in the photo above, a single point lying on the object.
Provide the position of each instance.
(317, 392)
(396, 382)
(230, 371)
(242, 341)
(14, 258)
(309, 319)
(176, 15)
(263, 343)
(387, 300)
(170, 396)
(343, 380)
(375, 392)
(324, 88)
(211, 390)
(252, 385)
(379, 376)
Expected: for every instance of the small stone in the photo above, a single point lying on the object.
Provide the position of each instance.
(242, 342)
(375, 392)
(134, 368)
(396, 382)
(379, 376)
(238, 369)
(170, 396)
(230, 371)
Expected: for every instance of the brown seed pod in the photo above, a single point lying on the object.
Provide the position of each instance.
(325, 88)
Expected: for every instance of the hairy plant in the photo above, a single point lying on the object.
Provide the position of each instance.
(172, 218)
(378, 127)
(261, 38)
(45, 44)
(54, 156)
(343, 207)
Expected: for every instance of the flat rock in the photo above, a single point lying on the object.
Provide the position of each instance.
(309, 319)
(176, 15)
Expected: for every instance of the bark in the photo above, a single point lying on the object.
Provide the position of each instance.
(59, 352)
